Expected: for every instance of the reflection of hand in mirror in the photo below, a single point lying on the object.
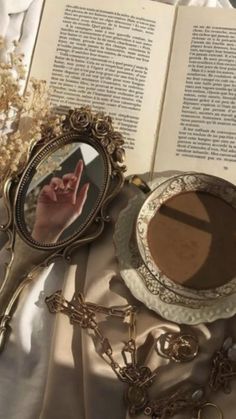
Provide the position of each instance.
(59, 205)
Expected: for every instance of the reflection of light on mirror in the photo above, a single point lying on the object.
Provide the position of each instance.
(44, 197)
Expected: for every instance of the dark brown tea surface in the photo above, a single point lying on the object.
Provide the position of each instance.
(192, 239)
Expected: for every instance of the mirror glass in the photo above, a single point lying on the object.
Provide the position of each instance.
(63, 192)
(192, 239)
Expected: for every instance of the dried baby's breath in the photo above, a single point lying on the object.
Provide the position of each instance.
(24, 118)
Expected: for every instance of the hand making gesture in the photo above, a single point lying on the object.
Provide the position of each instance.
(59, 205)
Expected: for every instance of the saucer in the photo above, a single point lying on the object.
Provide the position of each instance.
(173, 302)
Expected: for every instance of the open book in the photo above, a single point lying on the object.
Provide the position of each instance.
(166, 75)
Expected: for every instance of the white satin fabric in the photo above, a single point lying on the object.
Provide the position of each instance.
(19, 21)
(50, 369)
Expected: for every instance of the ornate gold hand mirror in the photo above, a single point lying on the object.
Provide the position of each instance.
(60, 200)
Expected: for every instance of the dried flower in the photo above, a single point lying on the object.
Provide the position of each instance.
(23, 117)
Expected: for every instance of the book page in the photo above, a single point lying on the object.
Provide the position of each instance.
(198, 127)
(112, 57)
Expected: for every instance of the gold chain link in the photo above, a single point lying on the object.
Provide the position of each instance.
(137, 377)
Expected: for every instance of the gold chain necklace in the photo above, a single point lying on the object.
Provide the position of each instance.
(139, 378)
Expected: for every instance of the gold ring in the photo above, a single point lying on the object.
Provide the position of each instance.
(219, 411)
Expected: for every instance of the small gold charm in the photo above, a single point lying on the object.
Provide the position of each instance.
(178, 347)
(223, 368)
(136, 398)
